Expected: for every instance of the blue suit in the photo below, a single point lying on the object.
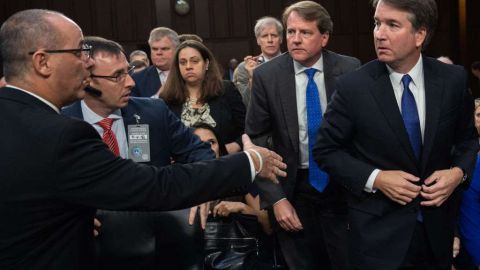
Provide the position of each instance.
(147, 82)
(143, 240)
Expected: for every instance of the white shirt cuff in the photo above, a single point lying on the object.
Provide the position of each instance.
(252, 166)
(371, 179)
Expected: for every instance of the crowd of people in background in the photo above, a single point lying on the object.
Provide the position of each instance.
(371, 166)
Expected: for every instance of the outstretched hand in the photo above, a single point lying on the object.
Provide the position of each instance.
(269, 164)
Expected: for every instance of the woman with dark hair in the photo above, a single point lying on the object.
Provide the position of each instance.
(195, 91)
(248, 205)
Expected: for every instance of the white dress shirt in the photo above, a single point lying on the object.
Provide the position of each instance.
(417, 86)
(118, 127)
(301, 81)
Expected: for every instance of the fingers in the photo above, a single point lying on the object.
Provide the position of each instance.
(191, 216)
(96, 226)
(204, 214)
(409, 177)
(247, 143)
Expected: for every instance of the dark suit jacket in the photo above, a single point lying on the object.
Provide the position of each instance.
(169, 137)
(363, 130)
(147, 82)
(273, 112)
(56, 171)
(227, 110)
(168, 230)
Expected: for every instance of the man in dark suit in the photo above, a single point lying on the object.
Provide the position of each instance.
(108, 97)
(398, 134)
(56, 170)
(312, 220)
(163, 41)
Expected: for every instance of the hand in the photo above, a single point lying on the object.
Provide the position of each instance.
(437, 187)
(233, 147)
(286, 216)
(203, 214)
(250, 64)
(397, 185)
(456, 246)
(96, 227)
(272, 162)
(225, 208)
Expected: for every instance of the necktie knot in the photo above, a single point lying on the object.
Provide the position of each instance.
(106, 123)
(310, 73)
(406, 79)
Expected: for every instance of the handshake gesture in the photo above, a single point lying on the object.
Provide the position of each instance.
(267, 163)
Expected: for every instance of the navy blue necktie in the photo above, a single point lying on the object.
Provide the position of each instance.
(316, 177)
(410, 117)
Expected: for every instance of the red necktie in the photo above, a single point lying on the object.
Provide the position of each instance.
(108, 136)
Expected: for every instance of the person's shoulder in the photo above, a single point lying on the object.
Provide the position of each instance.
(281, 62)
(147, 103)
(342, 58)
(437, 66)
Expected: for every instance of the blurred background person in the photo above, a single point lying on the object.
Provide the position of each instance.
(249, 204)
(228, 73)
(269, 34)
(184, 37)
(139, 55)
(196, 93)
(163, 42)
(138, 65)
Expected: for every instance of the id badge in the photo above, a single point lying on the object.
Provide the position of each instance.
(139, 143)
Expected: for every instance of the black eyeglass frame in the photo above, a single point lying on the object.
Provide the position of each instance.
(85, 48)
(117, 77)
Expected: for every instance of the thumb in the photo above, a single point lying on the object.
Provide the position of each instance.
(247, 143)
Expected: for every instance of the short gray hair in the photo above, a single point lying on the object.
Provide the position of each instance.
(137, 52)
(27, 31)
(161, 32)
(267, 21)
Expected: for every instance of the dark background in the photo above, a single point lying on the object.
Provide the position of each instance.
(227, 25)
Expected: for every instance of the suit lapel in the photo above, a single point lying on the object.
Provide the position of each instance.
(288, 98)
(382, 91)
(127, 115)
(433, 97)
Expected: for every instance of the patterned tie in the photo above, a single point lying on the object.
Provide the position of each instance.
(108, 136)
(410, 117)
(317, 178)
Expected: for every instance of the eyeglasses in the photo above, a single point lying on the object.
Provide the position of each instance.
(119, 77)
(84, 51)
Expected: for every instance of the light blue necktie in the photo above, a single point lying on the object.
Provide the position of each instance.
(316, 177)
(410, 117)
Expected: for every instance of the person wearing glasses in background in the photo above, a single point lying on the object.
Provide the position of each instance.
(108, 97)
(56, 171)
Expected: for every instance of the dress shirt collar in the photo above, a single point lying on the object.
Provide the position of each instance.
(36, 96)
(415, 73)
(91, 117)
(299, 68)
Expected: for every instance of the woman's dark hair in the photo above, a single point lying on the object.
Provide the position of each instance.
(175, 91)
(221, 145)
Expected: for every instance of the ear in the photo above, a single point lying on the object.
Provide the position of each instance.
(41, 63)
(325, 38)
(420, 36)
(207, 63)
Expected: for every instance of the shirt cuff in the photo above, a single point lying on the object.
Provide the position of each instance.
(282, 199)
(371, 179)
(252, 166)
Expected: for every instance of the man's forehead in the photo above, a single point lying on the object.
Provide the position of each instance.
(108, 60)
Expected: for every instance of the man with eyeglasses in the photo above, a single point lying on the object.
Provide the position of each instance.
(107, 97)
(56, 171)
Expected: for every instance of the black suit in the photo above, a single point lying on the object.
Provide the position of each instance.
(147, 82)
(363, 130)
(56, 171)
(273, 112)
(125, 237)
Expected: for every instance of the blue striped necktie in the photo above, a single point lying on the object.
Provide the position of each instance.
(316, 177)
(410, 117)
